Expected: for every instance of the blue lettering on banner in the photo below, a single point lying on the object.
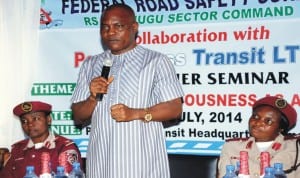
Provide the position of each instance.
(192, 4)
(291, 53)
(253, 56)
(85, 6)
(156, 5)
(85, 13)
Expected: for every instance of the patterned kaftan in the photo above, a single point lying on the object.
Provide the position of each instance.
(142, 78)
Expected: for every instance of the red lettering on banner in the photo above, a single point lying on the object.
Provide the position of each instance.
(187, 37)
(277, 95)
(219, 99)
(295, 100)
(231, 99)
(78, 58)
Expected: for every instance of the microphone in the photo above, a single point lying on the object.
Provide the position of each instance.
(107, 63)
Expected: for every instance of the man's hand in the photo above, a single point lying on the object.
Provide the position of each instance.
(100, 85)
(122, 113)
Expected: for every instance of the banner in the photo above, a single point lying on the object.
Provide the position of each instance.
(227, 54)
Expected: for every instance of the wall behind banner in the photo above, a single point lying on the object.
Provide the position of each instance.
(19, 24)
(226, 56)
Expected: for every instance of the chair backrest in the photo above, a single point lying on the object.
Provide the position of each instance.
(4, 153)
(191, 166)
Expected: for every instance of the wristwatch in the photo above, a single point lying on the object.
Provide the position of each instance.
(148, 115)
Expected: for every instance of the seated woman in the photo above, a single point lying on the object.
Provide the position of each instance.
(271, 120)
(35, 118)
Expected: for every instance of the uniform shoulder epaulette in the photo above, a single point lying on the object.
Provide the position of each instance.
(291, 136)
(236, 139)
(20, 144)
(63, 140)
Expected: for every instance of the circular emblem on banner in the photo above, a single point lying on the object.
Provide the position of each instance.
(26, 107)
(280, 103)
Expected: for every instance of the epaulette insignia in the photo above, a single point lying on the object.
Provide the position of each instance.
(70, 143)
(292, 136)
(236, 139)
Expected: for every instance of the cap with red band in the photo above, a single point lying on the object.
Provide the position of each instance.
(281, 105)
(31, 106)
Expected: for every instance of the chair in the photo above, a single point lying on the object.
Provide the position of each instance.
(193, 166)
(4, 153)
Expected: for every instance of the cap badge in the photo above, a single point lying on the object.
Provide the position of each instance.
(280, 103)
(26, 107)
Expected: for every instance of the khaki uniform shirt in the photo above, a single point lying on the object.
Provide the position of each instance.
(283, 150)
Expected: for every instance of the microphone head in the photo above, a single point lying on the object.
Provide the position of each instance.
(107, 62)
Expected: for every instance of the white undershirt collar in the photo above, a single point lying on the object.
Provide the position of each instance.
(263, 146)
